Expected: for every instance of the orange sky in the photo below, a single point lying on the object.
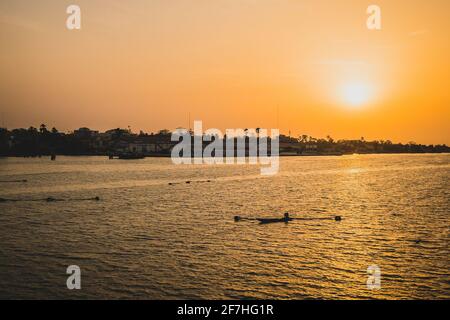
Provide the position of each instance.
(230, 63)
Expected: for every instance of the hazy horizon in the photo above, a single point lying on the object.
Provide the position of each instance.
(137, 131)
(149, 64)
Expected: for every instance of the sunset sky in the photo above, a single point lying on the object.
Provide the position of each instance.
(148, 64)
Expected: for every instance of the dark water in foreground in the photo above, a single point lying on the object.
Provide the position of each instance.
(146, 239)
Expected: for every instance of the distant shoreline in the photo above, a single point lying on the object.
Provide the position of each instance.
(281, 155)
(123, 143)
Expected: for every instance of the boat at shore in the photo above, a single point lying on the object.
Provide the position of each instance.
(127, 156)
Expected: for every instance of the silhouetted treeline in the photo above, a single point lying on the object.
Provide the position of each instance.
(44, 141)
(34, 142)
(329, 145)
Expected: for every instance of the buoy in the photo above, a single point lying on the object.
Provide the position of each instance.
(7, 200)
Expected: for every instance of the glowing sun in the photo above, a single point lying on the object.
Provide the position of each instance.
(356, 94)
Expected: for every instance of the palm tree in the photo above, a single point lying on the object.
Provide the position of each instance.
(303, 138)
(330, 139)
(43, 128)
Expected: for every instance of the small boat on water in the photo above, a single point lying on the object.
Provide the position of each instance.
(127, 156)
(285, 219)
(274, 220)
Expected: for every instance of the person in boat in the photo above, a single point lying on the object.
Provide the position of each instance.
(286, 217)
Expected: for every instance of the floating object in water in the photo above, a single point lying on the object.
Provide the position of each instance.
(8, 200)
(97, 198)
(274, 220)
(417, 241)
(13, 181)
(50, 199)
(285, 219)
(188, 182)
(203, 181)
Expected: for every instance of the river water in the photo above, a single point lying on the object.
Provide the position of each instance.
(146, 239)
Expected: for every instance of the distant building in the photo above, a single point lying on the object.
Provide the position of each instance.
(85, 133)
(146, 145)
(116, 133)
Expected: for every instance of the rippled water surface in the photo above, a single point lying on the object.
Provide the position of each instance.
(147, 239)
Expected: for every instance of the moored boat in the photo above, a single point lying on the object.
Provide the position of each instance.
(128, 156)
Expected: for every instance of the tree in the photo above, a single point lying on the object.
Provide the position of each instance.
(330, 139)
(32, 130)
(164, 132)
(303, 138)
(43, 128)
